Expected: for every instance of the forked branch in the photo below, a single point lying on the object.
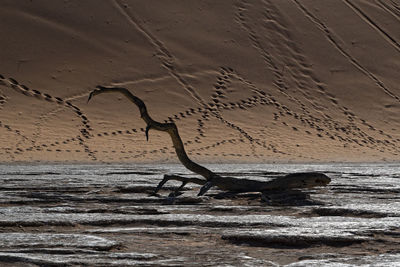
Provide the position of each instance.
(170, 128)
(291, 181)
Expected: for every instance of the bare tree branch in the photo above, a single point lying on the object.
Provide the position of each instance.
(170, 128)
(297, 180)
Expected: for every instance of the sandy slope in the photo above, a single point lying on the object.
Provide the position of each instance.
(248, 81)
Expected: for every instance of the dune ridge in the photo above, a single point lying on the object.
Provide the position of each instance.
(245, 81)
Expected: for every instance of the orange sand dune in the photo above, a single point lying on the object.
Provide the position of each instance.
(245, 81)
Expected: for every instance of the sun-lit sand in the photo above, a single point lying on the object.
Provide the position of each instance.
(245, 81)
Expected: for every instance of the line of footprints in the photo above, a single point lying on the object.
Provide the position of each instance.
(218, 104)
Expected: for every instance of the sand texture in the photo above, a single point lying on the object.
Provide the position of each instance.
(245, 81)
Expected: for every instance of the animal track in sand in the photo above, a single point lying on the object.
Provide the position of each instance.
(259, 98)
(289, 66)
(222, 78)
(166, 58)
(3, 100)
(16, 150)
(85, 128)
(168, 61)
(390, 9)
(373, 24)
(333, 40)
(43, 118)
(395, 6)
(298, 72)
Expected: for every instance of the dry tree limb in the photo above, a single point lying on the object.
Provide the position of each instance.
(290, 181)
(297, 180)
(170, 128)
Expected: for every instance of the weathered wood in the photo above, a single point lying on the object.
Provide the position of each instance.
(170, 128)
(300, 180)
(290, 181)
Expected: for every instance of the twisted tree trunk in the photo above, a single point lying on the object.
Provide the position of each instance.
(299, 180)
(170, 128)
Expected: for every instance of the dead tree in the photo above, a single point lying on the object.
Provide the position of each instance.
(288, 182)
